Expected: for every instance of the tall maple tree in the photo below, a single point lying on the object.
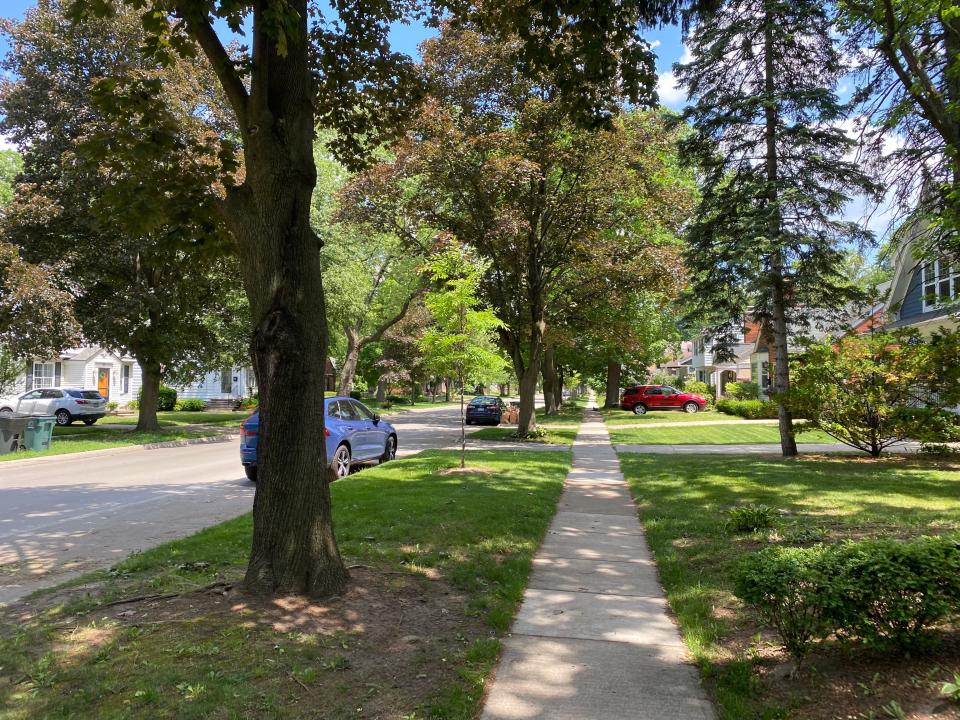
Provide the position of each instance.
(767, 236)
(308, 65)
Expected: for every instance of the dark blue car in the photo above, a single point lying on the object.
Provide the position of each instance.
(485, 410)
(354, 435)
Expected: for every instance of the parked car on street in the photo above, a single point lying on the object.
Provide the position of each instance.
(485, 409)
(354, 435)
(66, 404)
(641, 398)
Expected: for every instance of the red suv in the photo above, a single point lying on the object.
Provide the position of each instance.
(641, 398)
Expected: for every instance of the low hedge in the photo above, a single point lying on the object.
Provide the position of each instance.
(190, 405)
(749, 409)
(883, 593)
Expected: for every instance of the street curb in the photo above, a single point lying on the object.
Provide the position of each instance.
(222, 437)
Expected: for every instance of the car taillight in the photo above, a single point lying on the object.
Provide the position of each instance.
(491, 407)
(82, 402)
(326, 432)
(247, 432)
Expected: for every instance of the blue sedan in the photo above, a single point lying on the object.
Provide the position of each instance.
(354, 435)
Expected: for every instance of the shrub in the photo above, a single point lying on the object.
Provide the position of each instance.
(398, 399)
(356, 394)
(881, 592)
(190, 405)
(111, 406)
(249, 403)
(134, 404)
(750, 518)
(698, 387)
(786, 587)
(168, 398)
(743, 390)
(887, 592)
(750, 409)
(864, 390)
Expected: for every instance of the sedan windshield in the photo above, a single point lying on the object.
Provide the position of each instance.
(483, 400)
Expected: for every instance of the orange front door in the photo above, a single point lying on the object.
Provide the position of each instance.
(103, 382)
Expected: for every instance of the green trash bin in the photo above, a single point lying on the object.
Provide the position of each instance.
(13, 426)
(39, 432)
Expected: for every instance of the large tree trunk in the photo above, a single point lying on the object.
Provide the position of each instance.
(350, 362)
(381, 390)
(551, 401)
(149, 396)
(447, 382)
(293, 548)
(781, 383)
(613, 385)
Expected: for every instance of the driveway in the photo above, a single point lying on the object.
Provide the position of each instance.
(65, 515)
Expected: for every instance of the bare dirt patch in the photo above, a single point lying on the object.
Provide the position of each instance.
(383, 649)
(465, 471)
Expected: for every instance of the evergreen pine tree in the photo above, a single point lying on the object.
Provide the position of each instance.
(767, 239)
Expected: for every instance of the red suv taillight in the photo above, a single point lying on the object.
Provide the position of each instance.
(82, 402)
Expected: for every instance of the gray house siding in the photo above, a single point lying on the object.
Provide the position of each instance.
(911, 308)
(912, 305)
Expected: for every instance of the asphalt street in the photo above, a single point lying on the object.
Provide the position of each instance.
(65, 515)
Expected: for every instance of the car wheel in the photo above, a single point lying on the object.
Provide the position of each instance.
(340, 464)
(63, 417)
(468, 422)
(251, 471)
(390, 451)
(89, 421)
(6, 411)
(639, 409)
(691, 407)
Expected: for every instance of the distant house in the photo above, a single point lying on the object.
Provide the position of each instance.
(925, 294)
(116, 377)
(680, 365)
(706, 368)
(119, 377)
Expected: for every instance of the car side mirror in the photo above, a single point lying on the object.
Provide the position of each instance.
(376, 418)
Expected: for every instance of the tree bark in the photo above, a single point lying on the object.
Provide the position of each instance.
(293, 549)
(788, 443)
(551, 402)
(149, 396)
(350, 361)
(447, 395)
(613, 385)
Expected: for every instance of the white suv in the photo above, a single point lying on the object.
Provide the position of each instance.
(66, 404)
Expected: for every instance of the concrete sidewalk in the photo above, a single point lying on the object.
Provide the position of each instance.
(592, 639)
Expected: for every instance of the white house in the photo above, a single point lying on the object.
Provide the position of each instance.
(717, 374)
(116, 377)
(229, 384)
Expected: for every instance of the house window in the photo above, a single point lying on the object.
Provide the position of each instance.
(44, 375)
(941, 284)
(765, 375)
(125, 379)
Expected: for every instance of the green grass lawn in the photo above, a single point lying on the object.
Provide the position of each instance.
(170, 419)
(711, 435)
(615, 416)
(75, 439)
(440, 564)
(683, 507)
(554, 436)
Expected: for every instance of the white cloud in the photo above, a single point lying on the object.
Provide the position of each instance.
(669, 91)
(655, 44)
